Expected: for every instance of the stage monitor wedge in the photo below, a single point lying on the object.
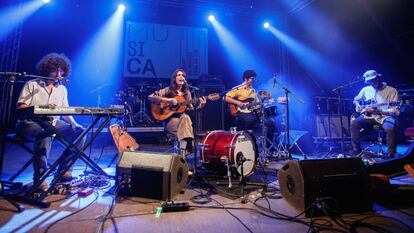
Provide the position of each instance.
(152, 175)
(343, 184)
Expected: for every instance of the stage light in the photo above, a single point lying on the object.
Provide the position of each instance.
(121, 7)
(46, 1)
(211, 18)
(266, 25)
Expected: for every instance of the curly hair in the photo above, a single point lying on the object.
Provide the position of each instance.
(51, 62)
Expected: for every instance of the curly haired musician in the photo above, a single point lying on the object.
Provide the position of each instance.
(47, 92)
(240, 98)
(386, 101)
(178, 123)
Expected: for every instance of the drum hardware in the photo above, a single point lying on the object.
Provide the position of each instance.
(241, 159)
(294, 136)
(264, 141)
(142, 116)
(226, 161)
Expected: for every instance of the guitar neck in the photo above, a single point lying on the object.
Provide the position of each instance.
(192, 101)
(392, 104)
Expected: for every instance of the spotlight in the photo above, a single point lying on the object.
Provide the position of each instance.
(211, 18)
(266, 25)
(46, 1)
(121, 7)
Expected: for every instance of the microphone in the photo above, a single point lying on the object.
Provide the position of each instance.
(65, 80)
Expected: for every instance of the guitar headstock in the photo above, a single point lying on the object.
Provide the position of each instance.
(213, 96)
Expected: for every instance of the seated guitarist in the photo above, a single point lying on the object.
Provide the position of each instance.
(239, 98)
(381, 94)
(179, 124)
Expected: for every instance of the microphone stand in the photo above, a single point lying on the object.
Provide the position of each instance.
(287, 126)
(6, 104)
(338, 91)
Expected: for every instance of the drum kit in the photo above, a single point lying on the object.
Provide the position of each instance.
(134, 99)
(236, 153)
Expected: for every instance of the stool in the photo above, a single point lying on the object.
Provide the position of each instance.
(378, 142)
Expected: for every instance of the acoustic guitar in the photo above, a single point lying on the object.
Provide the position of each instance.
(162, 111)
(375, 106)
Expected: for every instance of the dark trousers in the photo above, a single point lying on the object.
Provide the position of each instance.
(43, 142)
(246, 121)
(389, 126)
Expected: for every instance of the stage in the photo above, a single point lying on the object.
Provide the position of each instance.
(264, 210)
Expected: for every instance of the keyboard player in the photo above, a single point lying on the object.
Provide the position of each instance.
(48, 92)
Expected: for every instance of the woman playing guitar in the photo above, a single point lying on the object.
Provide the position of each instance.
(178, 123)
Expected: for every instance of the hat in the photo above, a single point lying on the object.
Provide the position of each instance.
(371, 74)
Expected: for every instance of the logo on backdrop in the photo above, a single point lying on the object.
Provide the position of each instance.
(155, 50)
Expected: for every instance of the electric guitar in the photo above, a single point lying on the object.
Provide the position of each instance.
(234, 109)
(162, 111)
(377, 112)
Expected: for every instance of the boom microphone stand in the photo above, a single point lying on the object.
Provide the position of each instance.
(287, 128)
(338, 91)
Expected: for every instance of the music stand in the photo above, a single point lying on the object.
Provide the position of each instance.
(6, 103)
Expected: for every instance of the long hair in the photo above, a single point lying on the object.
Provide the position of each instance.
(51, 62)
(173, 84)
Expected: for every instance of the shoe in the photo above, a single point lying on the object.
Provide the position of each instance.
(67, 177)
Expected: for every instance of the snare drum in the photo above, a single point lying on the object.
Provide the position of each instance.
(218, 144)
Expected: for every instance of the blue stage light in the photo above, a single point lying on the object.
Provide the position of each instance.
(46, 1)
(266, 25)
(211, 18)
(121, 7)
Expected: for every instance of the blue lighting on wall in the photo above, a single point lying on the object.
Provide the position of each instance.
(11, 17)
(97, 67)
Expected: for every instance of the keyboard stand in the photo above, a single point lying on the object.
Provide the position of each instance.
(77, 153)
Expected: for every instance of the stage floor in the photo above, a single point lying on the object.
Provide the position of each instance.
(264, 211)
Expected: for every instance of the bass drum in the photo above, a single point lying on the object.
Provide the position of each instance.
(217, 145)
